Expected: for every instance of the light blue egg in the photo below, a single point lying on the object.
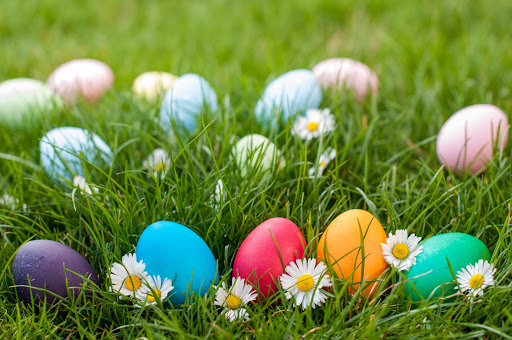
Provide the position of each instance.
(173, 251)
(61, 148)
(189, 95)
(293, 92)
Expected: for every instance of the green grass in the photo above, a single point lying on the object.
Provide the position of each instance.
(431, 59)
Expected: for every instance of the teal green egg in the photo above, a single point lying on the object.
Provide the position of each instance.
(432, 264)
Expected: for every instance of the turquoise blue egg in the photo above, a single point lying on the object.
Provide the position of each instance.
(174, 251)
(61, 148)
(431, 275)
(183, 103)
(291, 93)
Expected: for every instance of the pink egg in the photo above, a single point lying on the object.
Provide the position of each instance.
(470, 136)
(339, 73)
(265, 252)
(88, 78)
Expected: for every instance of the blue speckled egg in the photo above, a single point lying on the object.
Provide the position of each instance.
(189, 95)
(174, 251)
(291, 93)
(61, 148)
(24, 101)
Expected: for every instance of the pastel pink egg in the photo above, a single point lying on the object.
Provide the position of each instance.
(260, 258)
(88, 78)
(471, 136)
(345, 73)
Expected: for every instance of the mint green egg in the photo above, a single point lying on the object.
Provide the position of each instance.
(457, 248)
(25, 101)
(256, 151)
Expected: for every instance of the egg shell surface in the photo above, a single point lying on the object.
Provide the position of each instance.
(256, 150)
(258, 259)
(48, 264)
(459, 248)
(88, 78)
(61, 148)
(291, 93)
(469, 137)
(340, 247)
(345, 73)
(152, 85)
(184, 102)
(174, 251)
(23, 100)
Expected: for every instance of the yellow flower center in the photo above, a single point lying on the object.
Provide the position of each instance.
(305, 282)
(151, 295)
(476, 281)
(322, 164)
(233, 302)
(312, 126)
(160, 167)
(132, 283)
(400, 251)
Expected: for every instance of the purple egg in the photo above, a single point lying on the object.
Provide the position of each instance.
(47, 264)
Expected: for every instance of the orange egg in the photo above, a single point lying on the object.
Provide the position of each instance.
(341, 248)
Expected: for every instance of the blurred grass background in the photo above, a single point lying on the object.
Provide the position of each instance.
(432, 59)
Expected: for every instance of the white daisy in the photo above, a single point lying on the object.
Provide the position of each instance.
(304, 279)
(315, 124)
(400, 251)
(475, 279)
(11, 203)
(158, 161)
(128, 278)
(235, 299)
(154, 289)
(234, 314)
(80, 183)
(218, 195)
(323, 161)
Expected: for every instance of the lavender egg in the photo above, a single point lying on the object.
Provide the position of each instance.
(471, 136)
(61, 148)
(45, 264)
(184, 102)
(345, 73)
(24, 101)
(88, 78)
(291, 93)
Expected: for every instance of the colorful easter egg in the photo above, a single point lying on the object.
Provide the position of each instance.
(50, 265)
(470, 138)
(266, 251)
(174, 251)
(189, 96)
(87, 78)
(61, 150)
(153, 85)
(346, 74)
(291, 93)
(353, 236)
(24, 101)
(431, 275)
(256, 151)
